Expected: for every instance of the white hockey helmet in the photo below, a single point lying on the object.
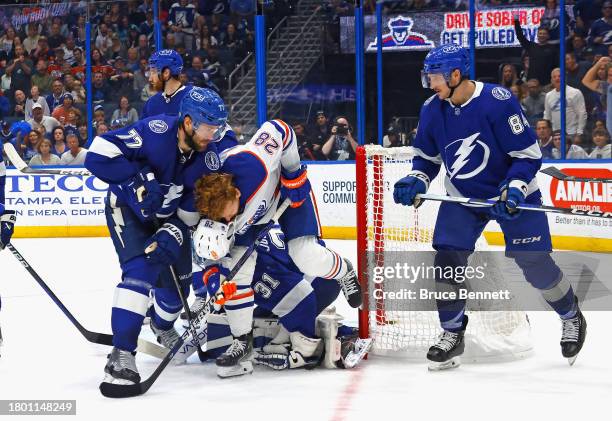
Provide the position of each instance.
(212, 240)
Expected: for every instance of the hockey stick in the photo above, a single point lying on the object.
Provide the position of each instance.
(20, 164)
(191, 327)
(524, 206)
(94, 337)
(559, 175)
(112, 390)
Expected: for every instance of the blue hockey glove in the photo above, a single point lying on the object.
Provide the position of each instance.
(295, 186)
(7, 224)
(511, 195)
(406, 189)
(165, 245)
(144, 194)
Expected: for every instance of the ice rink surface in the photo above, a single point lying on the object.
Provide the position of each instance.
(45, 357)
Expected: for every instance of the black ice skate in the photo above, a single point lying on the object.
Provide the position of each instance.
(572, 336)
(236, 360)
(446, 352)
(350, 286)
(121, 368)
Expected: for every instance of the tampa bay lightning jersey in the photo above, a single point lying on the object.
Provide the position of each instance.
(162, 104)
(483, 143)
(115, 157)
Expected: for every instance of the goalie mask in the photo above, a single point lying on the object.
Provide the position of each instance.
(212, 240)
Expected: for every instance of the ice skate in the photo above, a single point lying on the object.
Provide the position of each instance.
(236, 360)
(121, 368)
(168, 338)
(572, 336)
(350, 286)
(446, 352)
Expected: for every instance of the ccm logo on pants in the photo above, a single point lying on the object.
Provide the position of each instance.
(526, 240)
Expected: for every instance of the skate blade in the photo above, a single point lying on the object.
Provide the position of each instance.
(245, 367)
(572, 360)
(446, 365)
(113, 380)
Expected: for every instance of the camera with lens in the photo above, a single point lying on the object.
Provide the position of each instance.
(342, 129)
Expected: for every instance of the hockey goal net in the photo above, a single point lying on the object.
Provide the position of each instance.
(388, 231)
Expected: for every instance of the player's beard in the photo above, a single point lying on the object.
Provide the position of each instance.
(189, 140)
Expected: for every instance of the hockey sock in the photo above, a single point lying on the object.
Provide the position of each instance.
(451, 314)
(167, 308)
(129, 308)
(561, 298)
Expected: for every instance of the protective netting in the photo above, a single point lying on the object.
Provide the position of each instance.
(392, 232)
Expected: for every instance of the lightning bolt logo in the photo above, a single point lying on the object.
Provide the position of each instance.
(119, 222)
(463, 157)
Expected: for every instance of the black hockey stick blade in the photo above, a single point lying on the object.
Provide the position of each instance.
(560, 175)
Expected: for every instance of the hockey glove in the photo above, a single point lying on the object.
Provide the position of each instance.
(406, 189)
(165, 245)
(511, 195)
(7, 225)
(295, 186)
(144, 194)
(214, 279)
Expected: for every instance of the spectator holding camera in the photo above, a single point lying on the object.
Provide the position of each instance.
(601, 140)
(341, 145)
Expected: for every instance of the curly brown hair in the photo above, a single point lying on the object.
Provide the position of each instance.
(212, 194)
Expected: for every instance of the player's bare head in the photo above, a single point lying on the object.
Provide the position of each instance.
(217, 198)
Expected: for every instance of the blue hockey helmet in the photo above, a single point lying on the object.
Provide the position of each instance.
(443, 60)
(204, 105)
(167, 58)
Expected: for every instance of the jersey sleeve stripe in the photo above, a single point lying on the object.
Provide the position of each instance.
(288, 134)
(532, 152)
(104, 147)
(434, 159)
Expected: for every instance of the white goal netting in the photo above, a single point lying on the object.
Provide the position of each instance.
(389, 233)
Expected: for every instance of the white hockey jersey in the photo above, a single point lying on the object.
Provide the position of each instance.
(256, 167)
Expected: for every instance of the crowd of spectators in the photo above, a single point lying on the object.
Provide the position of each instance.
(42, 61)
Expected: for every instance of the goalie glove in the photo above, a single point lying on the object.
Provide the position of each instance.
(7, 226)
(295, 186)
(217, 286)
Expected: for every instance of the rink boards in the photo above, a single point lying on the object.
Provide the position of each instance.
(73, 206)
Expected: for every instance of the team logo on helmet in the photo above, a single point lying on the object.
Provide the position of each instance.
(165, 52)
(501, 93)
(196, 95)
(452, 48)
(158, 126)
(400, 37)
(211, 159)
